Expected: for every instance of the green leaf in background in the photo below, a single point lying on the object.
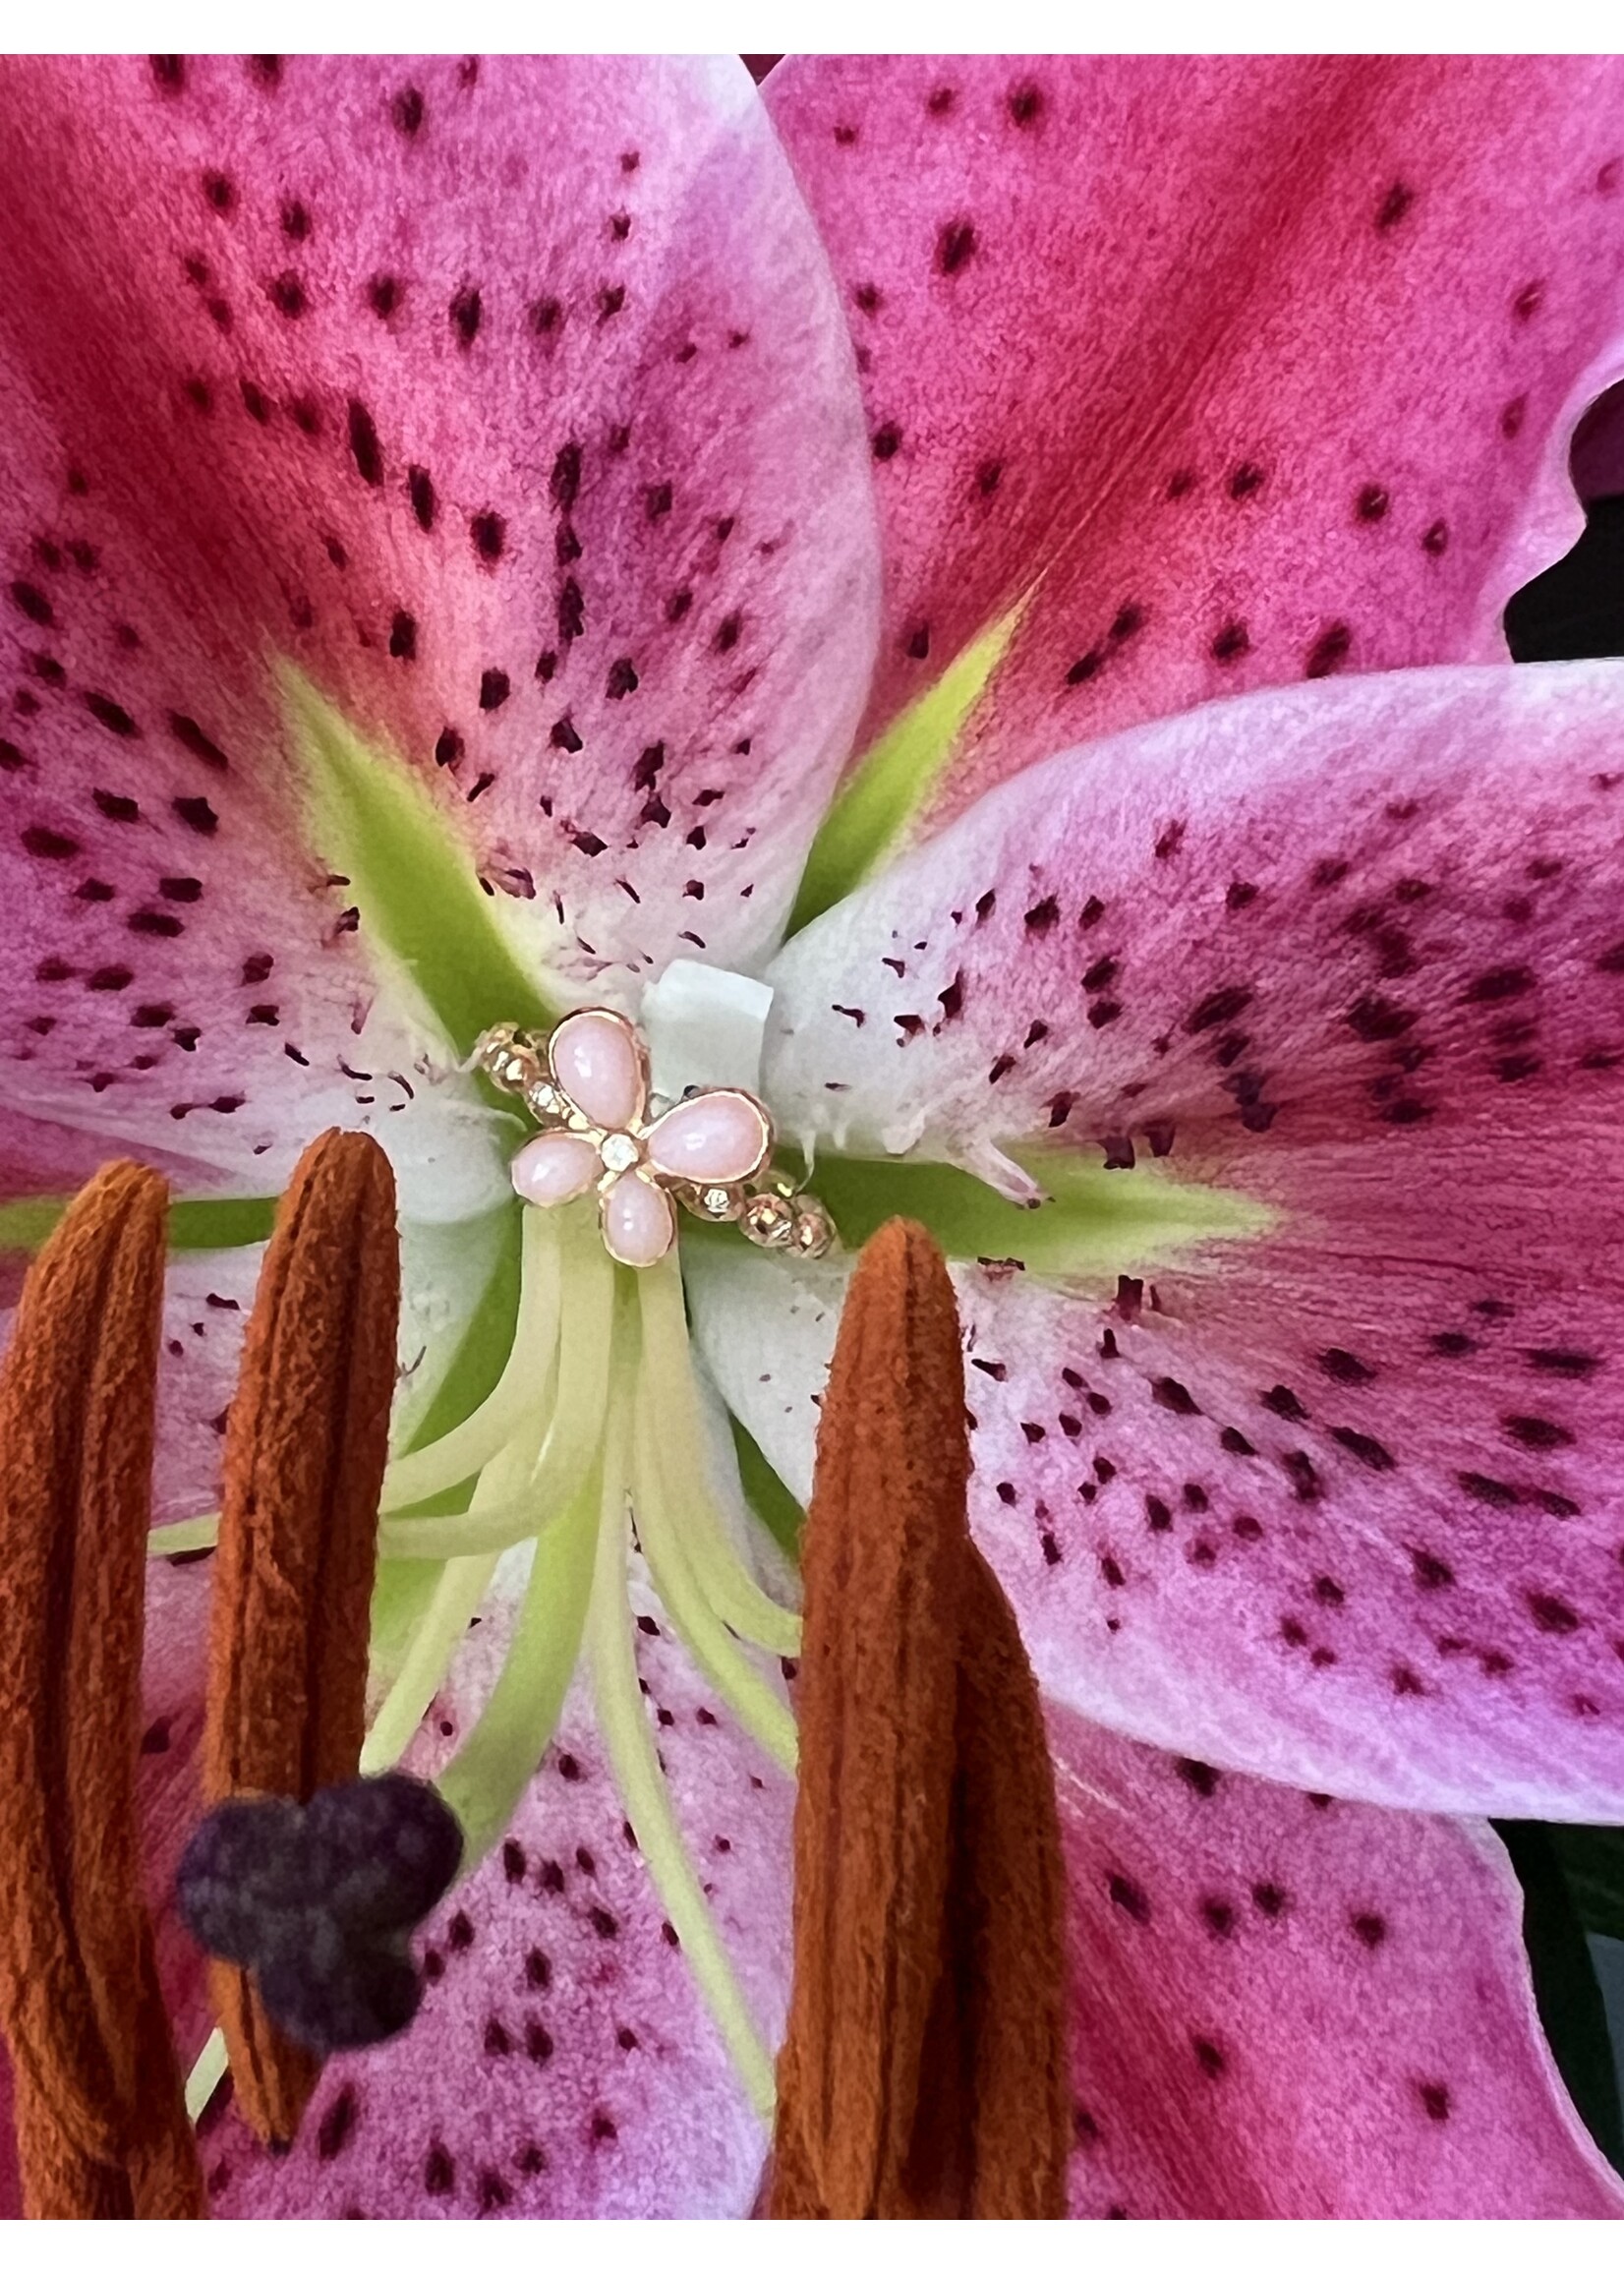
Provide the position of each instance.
(1568, 1997)
(1592, 1858)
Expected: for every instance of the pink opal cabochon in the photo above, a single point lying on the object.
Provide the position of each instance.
(637, 1220)
(718, 1138)
(595, 1060)
(554, 1167)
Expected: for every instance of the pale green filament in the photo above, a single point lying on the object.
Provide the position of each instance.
(623, 1720)
(598, 1397)
(465, 1451)
(701, 1634)
(714, 1561)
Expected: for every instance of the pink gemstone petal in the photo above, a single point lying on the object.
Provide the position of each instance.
(596, 1063)
(637, 1219)
(712, 1140)
(553, 1168)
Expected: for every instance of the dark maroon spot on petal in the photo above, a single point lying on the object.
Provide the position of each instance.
(953, 247)
(1432, 1571)
(1270, 1900)
(406, 111)
(33, 603)
(1329, 652)
(1372, 502)
(1306, 1484)
(489, 532)
(338, 2124)
(1173, 1397)
(1217, 1009)
(1342, 1366)
(1369, 1450)
(1452, 1345)
(1044, 915)
(888, 441)
(1129, 1897)
(1502, 984)
(1434, 2098)
(1370, 1928)
(1231, 642)
(364, 448)
(1512, 417)
(1552, 1615)
(1491, 1491)
(1395, 204)
(1328, 1592)
(1201, 1779)
(465, 312)
(113, 716)
(1572, 1365)
(1539, 1435)
(48, 844)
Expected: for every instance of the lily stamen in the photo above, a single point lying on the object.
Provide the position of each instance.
(101, 2125)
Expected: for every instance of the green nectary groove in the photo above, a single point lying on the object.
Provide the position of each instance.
(370, 820)
(872, 813)
(194, 1225)
(1095, 1224)
(768, 1498)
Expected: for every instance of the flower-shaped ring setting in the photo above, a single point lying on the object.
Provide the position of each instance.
(601, 1129)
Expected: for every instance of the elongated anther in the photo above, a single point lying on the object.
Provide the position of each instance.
(304, 1453)
(922, 2071)
(100, 2114)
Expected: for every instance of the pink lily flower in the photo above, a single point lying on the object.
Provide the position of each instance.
(454, 557)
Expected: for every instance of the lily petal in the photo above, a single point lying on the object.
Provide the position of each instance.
(1288, 2008)
(1243, 370)
(366, 369)
(562, 2064)
(1337, 1499)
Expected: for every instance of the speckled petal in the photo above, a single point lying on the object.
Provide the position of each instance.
(1288, 2008)
(537, 451)
(563, 2066)
(1267, 367)
(1338, 1502)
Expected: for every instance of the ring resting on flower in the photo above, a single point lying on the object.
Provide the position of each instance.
(588, 1085)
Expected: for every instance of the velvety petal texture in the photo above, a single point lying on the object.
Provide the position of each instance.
(511, 406)
(1292, 2008)
(562, 2064)
(1240, 370)
(1334, 1497)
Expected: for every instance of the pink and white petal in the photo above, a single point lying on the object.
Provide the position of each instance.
(1337, 1501)
(1242, 369)
(1290, 2008)
(562, 2064)
(763, 1326)
(539, 454)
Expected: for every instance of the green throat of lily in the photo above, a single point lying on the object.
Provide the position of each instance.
(572, 1434)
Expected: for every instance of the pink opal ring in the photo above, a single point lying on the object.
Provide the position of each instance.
(588, 1086)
